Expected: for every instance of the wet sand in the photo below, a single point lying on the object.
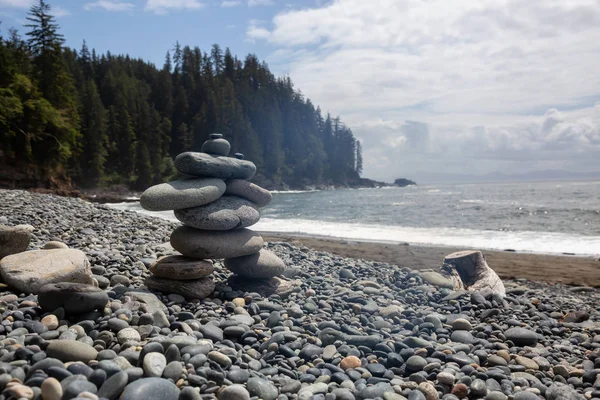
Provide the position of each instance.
(570, 270)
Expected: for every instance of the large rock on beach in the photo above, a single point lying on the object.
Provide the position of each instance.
(75, 298)
(30, 270)
(249, 191)
(181, 268)
(262, 265)
(14, 239)
(196, 243)
(183, 193)
(192, 289)
(206, 165)
(227, 213)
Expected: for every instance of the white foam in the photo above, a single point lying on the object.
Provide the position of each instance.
(538, 242)
(526, 241)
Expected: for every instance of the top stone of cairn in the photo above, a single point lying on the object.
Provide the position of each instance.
(216, 145)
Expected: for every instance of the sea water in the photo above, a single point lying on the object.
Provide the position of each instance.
(541, 217)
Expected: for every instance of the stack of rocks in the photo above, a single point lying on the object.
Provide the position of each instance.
(216, 203)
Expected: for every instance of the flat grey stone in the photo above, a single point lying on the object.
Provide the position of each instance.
(263, 265)
(249, 191)
(30, 270)
(71, 350)
(75, 298)
(437, 279)
(521, 336)
(196, 243)
(184, 193)
(14, 239)
(181, 268)
(192, 289)
(224, 214)
(265, 287)
(206, 165)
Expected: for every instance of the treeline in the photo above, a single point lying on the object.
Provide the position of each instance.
(104, 119)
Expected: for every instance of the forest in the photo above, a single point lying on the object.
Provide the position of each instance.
(76, 117)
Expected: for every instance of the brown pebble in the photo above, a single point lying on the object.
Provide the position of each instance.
(460, 390)
(50, 321)
(350, 362)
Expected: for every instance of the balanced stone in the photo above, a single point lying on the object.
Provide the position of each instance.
(249, 191)
(71, 350)
(75, 298)
(30, 270)
(193, 289)
(227, 213)
(262, 265)
(14, 239)
(181, 268)
(202, 164)
(216, 145)
(201, 244)
(184, 193)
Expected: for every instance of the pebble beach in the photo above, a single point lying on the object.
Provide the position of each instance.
(338, 328)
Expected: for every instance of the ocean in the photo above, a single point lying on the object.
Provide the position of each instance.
(538, 217)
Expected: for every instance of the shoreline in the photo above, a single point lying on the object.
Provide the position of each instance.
(574, 270)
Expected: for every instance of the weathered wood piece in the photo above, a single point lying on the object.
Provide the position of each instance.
(469, 270)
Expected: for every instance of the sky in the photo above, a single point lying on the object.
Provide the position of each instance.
(430, 87)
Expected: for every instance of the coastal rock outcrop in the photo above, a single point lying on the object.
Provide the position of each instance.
(214, 229)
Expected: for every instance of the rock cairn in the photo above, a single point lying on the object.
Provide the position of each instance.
(216, 203)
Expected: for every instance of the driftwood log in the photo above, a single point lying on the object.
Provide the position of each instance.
(469, 270)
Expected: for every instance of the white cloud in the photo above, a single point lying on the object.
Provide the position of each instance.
(231, 3)
(109, 5)
(60, 12)
(257, 3)
(164, 6)
(16, 3)
(481, 72)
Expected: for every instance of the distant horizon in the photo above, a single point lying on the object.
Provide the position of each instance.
(498, 177)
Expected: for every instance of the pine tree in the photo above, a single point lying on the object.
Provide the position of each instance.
(44, 36)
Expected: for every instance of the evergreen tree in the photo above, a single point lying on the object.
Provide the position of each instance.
(44, 36)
